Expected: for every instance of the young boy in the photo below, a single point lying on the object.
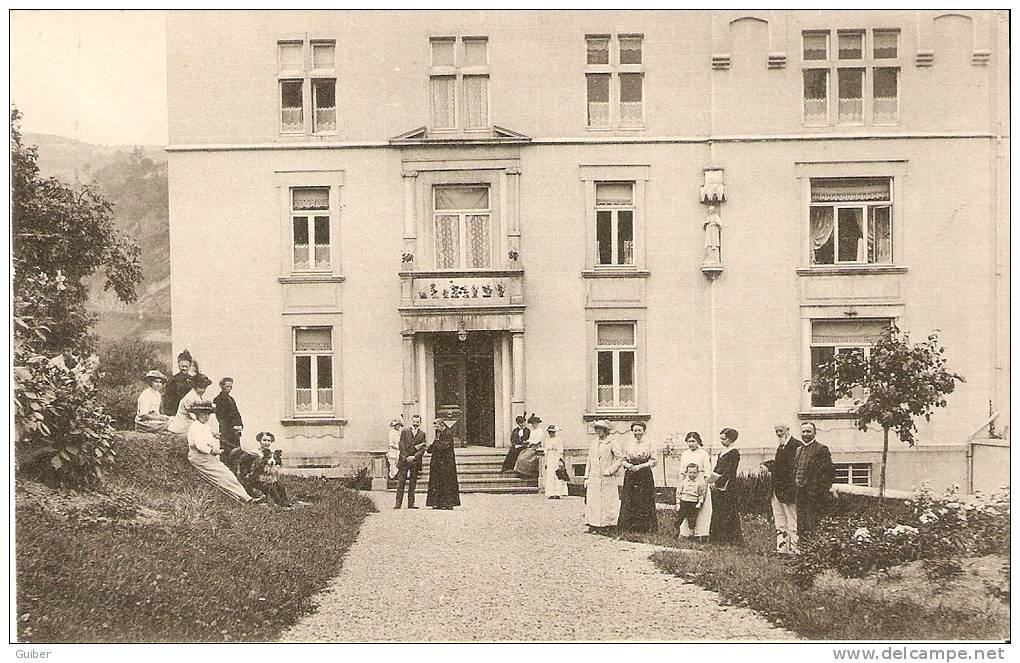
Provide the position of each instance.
(690, 496)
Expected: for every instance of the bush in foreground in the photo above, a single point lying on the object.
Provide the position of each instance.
(157, 555)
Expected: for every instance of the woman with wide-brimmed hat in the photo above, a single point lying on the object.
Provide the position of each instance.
(602, 495)
(393, 448)
(204, 451)
(526, 466)
(555, 487)
(148, 416)
(697, 455)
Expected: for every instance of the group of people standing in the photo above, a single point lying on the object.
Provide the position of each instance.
(216, 454)
(706, 506)
(407, 449)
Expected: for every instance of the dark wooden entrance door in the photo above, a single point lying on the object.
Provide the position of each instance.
(464, 387)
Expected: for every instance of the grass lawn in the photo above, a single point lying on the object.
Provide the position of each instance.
(899, 605)
(160, 556)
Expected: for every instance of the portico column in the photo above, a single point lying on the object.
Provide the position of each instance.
(517, 351)
(410, 390)
(505, 407)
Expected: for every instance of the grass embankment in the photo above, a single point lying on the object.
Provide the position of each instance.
(159, 555)
(898, 605)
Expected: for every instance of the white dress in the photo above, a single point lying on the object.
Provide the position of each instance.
(203, 449)
(183, 419)
(393, 452)
(602, 498)
(553, 454)
(704, 521)
(148, 403)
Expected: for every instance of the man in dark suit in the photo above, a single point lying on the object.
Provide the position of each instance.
(518, 443)
(813, 476)
(784, 495)
(412, 448)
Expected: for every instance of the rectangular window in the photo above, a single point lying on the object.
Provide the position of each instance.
(614, 223)
(615, 349)
(614, 81)
(851, 221)
(463, 227)
(855, 474)
(300, 92)
(831, 337)
(459, 83)
(310, 221)
(862, 75)
(313, 370)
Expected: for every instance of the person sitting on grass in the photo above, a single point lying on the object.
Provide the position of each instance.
(184, 417)
(690, 495)
(149, 418)
(203, 454)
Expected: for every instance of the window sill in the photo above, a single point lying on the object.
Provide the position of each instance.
(312, 421)
(312, 278)
(822, 415)
(616, 415)
(615, 273)
(454, 273)
(830, 270)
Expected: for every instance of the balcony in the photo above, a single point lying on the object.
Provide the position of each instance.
(444, 291)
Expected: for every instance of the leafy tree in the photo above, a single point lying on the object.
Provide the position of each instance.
(894, 383)
(57, 229)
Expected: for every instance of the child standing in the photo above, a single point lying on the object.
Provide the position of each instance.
(690, 495)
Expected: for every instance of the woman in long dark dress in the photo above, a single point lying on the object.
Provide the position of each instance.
(725, 515)
(444, 492)
(637, 504)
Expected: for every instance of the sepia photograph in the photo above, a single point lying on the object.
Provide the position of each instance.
(493, 326)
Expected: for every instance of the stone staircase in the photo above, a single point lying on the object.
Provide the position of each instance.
(479, 470)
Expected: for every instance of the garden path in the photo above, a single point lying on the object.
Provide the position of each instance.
(510, 568)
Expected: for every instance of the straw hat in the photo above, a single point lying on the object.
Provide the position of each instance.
(553, 428)
(601, 423)
(202, 406)
(154, 375)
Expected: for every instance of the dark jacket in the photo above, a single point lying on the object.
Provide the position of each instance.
(783, 469)
(519, 439)
(177, 387)
(814, 462)
(726, 466)
(411, 444)
(228, 416)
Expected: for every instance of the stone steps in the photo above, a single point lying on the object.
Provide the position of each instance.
(479, 470)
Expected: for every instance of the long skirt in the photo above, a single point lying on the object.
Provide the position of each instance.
(637, 506)
(511, 458)
(703, 523)
(218, 474)
(527, 464)
(151, 426)
(444, 491)
(554, 486)
(726, 519)
(602, 501)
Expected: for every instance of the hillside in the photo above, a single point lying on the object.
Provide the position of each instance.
(134, 179)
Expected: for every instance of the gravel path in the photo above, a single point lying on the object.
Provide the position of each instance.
(510, 567)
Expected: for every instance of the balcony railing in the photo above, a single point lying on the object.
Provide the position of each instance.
(462, 289)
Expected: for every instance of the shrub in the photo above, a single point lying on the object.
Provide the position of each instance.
(359, 478)
(123, 363)
(753, 493)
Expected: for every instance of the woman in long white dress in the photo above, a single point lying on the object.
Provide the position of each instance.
(204, 451)
(696, 454)
(555, 487)
(602, 495)
(393, 450)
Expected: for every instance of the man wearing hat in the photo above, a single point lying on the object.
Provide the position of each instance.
(148, 417)
(204, 451)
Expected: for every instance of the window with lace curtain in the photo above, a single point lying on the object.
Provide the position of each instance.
(615, 354)
(614, 79)
(313, 370)
(459, 83)
(851, 221)
(462, 219)
(307, 77)
(311, 229)
(614, 223)
(859, 69)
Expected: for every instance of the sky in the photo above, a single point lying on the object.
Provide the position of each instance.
(96, 76)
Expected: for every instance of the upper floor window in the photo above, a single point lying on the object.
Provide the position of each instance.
(859, 69)
(463, 227)
(307, 77)
(614, 223)
(614, 78)
(615, 355)
(851, 221)
(313, 370)
(459, 83)
(310, 220)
